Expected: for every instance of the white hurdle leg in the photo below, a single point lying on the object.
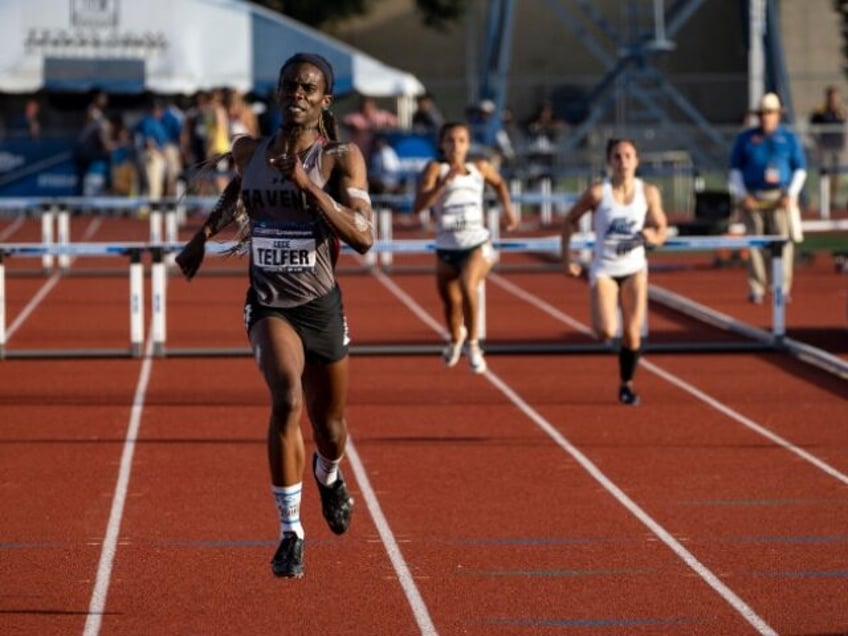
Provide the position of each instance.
(493, 223)
(778, 319)
(481, 310)
(63, 237)
(2, 307)
(158, 280)
(136, 303)
(585, 225)
(384, 221)
(515, 195)
(155, 224)
(547, 205)
(824, 195)
(47, 216)
(180, 204)
(371, 255)
(171, 234)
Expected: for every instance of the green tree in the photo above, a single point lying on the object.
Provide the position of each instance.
(436, 14)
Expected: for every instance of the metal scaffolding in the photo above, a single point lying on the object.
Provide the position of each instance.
(632, 83)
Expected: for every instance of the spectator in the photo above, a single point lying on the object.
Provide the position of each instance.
(767, 171)
(173, 121)
(427, 119)
(243, 119)
(488, 133)
(151, 139)
(362, 123)
(384, 167)
(125, 179)
(828, 122)
(196, 137)
(29, 121)
(94, 143)
(543, 130)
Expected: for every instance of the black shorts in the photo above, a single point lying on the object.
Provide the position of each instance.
(320, 323)
(456, 258)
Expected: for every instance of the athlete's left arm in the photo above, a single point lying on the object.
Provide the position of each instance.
(655, 229)
(496, 181)
(351, 217)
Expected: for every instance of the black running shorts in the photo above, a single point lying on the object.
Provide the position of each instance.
(457, 258)
(320, 323)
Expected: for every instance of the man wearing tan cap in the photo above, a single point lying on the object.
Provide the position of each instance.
(767, 172)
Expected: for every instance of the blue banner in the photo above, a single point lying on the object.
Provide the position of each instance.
(36, 167)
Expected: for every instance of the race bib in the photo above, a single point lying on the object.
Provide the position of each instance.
(454, 222)
(281, 254)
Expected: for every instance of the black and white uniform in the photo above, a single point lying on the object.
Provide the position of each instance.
(617, 227)
(292, 256)
(459, 214)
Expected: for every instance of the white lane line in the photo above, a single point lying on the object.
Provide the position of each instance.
(661, 533)
(48, 286)
(413, 596)
(13, 227)
(97, 604)
(619, 495)
(682, 384)
(410, 590)
(748, 423)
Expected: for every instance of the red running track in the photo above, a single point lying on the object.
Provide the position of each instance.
(136, 499)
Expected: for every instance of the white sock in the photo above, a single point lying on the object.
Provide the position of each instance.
(326, 470)
(287, 499)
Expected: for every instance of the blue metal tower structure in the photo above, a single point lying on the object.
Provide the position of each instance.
(631, 76)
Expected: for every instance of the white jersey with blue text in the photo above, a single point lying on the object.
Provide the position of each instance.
(616, 225)
(291, 246)
(459, 211)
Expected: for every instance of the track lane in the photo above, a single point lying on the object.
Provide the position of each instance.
(397, 464)
(60, 444)
(539, 381)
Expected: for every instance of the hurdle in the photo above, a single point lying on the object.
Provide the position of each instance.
(133, 251)
(772, 339)
(551, 244)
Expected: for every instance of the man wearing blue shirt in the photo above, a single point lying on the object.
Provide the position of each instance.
(151, 138)
(767, 172)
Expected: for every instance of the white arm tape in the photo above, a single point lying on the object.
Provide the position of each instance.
(359, 193)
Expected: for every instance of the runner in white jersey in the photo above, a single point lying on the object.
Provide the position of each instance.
(453, 189)
(303, 192)
(628, 216)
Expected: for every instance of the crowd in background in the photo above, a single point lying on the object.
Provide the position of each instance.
(146, 153)
(131, 151)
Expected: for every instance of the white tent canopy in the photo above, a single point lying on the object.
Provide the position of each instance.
(169, 47)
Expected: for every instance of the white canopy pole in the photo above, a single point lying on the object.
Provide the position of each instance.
(756, 57)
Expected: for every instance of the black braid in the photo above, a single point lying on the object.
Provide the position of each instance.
(327, 125)
(226, 207)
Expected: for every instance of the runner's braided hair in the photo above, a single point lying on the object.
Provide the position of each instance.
(227, 208)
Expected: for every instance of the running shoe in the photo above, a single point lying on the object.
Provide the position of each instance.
(453, 350)
(336, 503)
(626, 395)
(475, 358)
(288, 559)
